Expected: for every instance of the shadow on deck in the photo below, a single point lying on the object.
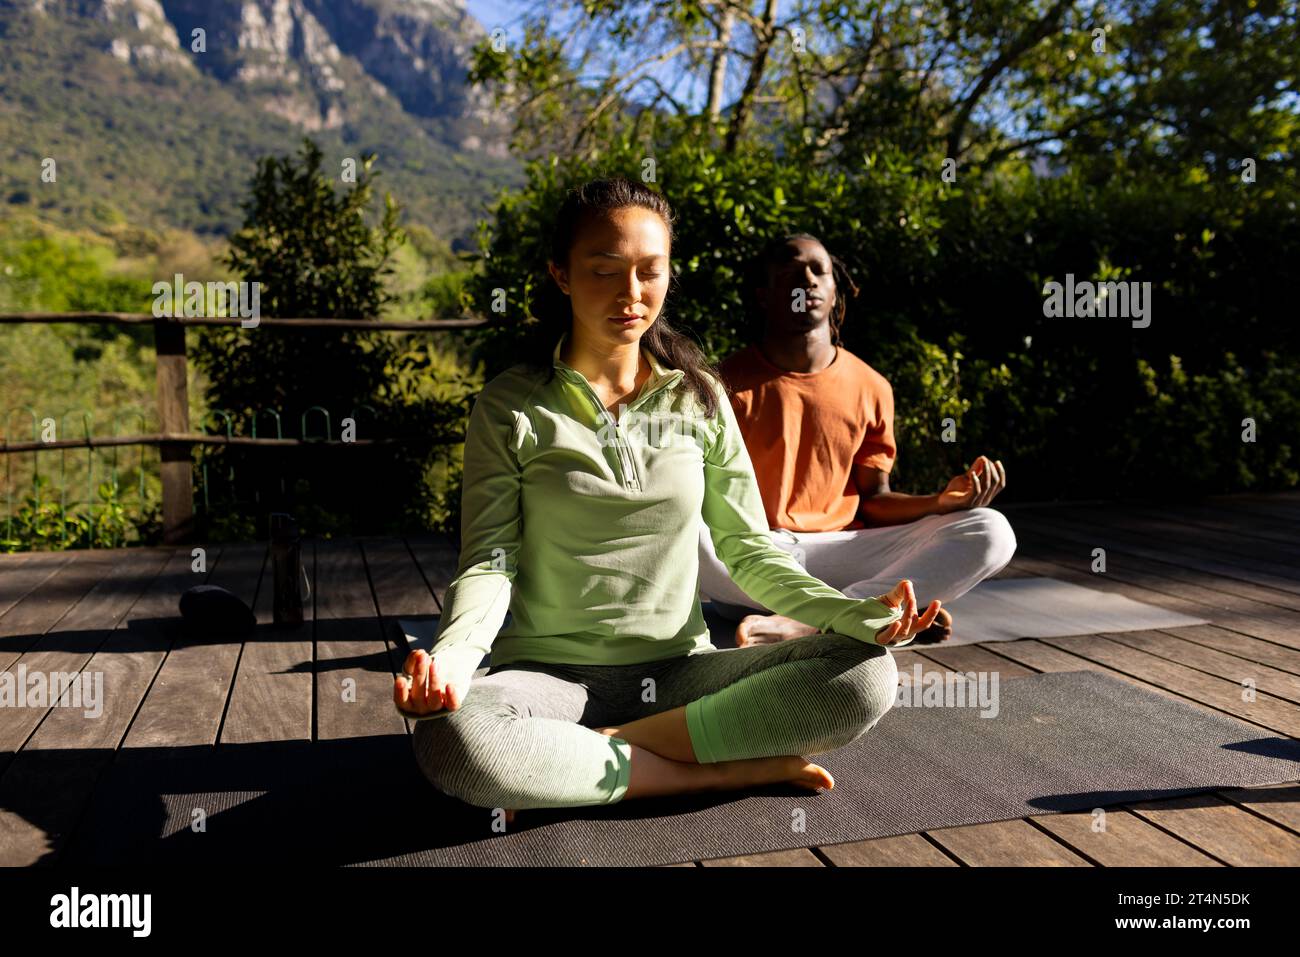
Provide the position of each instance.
(291, 738)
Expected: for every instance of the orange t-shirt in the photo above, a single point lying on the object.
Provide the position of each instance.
(806, 430)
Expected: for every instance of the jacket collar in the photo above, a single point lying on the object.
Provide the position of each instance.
(658, 371)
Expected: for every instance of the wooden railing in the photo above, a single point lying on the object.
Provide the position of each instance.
(175, 440)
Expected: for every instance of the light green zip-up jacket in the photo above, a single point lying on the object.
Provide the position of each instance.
(586, 528)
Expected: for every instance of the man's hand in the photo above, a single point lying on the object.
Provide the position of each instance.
(423, 688)
(909, 625)
(974, 488)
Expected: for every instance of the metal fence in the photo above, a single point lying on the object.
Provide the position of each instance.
(176, 443)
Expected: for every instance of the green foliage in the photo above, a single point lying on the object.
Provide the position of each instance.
(41, 522)
(1193, 418)
(311, 247)
(93, 379)
(308, 245)
(951, 308)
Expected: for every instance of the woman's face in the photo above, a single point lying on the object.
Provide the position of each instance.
(616, 276)
(804, 279)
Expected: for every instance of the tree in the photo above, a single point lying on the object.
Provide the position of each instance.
(1170, 83)
(310, 247)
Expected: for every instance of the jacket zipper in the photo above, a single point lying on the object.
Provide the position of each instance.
(626, 464)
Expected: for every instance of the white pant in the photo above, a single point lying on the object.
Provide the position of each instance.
(945, 556)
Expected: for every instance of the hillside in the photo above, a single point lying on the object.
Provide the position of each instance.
(156, 112)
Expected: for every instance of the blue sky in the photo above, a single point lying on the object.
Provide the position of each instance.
(498, 13)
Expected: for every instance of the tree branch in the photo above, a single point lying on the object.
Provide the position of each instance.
(1018, 48)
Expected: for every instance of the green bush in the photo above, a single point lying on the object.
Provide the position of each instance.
(951, 308)
(41, 522)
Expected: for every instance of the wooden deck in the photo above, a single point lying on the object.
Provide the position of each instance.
(1234, 561)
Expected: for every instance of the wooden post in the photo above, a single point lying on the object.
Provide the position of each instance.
(174, 417)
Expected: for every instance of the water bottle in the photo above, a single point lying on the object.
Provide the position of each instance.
(288, 575)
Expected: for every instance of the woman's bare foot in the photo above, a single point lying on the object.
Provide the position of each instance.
(769, 629)
(742, 773)
(941, 630)
(789, 768)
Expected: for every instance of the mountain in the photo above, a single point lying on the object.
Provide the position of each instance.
(156, 111)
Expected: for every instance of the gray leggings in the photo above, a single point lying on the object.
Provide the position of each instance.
(523, 737)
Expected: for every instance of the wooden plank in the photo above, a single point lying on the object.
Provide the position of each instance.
(1126, 840)
(1279, 803)
(21, 578)
(1005, 843)
(1223, 830)
(44, 788)
(1266, 711)
(272, 697)
(187, 700)
(1242, 524)
(437, 559)
(177, 469)
(968, 658)
(1273, 508)
(800, 857)
(1203, 600)
(907, 660)
(69, 644)
(40, 609)
(354, 674)
(1273, 624)
(1259, 580)
(400, 590)
(1167, 645)
(1074, 548)
(1242, 646)
(68, 753)
(1226, 540)
(906, 850)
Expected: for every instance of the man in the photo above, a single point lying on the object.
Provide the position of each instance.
(818, 425)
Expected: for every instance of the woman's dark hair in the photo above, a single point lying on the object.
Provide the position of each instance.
(554, 309)
(778, 252)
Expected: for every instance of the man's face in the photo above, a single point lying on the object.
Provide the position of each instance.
(801, 291)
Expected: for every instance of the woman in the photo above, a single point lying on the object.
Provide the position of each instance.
(605, 687)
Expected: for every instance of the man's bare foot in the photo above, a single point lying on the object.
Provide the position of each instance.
(769, 629)
(941, 630)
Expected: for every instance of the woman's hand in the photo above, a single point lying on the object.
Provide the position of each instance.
(423, 688)
(909, 625)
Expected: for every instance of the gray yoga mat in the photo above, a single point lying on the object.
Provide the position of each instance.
(1004, 609)
(1059, 742)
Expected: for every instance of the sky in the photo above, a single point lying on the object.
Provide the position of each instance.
(498, 13)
